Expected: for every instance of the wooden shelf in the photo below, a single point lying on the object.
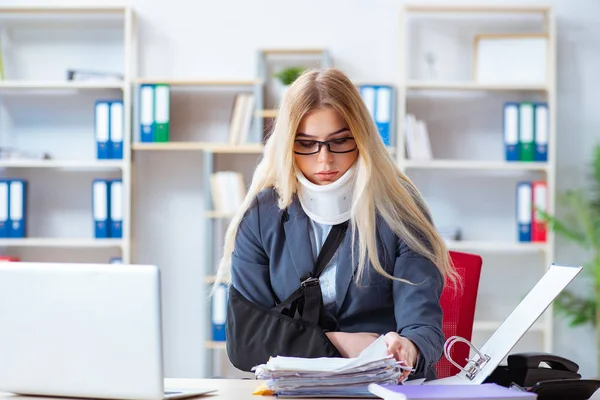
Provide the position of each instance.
(64, 164)
(496, 246)
(251, 148)
(293, 51)
(476, 165)
(60, 85)
(61, 243)
(61, 9)
(477, 8)
(215, 345)
(194, 82)
(441, 85)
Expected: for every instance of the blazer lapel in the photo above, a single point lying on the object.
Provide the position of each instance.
(297, 240)
(345, 269)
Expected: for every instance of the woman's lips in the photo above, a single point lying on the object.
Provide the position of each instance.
(326, 175)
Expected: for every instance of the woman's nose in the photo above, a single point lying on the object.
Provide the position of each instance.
(324, 153)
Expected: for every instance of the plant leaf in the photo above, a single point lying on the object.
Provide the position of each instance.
(577, 310)
(562, 229)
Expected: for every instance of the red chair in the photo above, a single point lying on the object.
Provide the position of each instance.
(458, 307)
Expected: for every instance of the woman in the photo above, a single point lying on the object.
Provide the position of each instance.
(325, 164)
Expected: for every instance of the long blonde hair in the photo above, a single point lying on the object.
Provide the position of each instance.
(380, 187)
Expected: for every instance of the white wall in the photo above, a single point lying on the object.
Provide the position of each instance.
(219, 39)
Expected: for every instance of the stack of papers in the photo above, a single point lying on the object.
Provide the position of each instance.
(330, 377)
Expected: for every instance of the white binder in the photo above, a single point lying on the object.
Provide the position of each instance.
(491, 354)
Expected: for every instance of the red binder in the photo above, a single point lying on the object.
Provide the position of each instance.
(540, 201)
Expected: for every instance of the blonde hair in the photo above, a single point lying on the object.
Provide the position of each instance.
(380, 187)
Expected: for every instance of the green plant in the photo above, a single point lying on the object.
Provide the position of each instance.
(288, 75)
(581, 225)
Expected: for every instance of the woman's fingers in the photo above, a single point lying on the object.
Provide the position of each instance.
(403, 350)
(392, 340)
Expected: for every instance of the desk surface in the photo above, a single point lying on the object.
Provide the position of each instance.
(230, 389)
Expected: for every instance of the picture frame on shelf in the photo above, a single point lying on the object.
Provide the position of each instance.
(495, 55)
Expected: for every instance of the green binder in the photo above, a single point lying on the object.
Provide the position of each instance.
(526, 130)
(162, 93)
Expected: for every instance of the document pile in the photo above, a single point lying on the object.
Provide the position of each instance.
(330, 377)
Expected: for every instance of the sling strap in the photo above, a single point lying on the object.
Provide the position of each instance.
(308, 299)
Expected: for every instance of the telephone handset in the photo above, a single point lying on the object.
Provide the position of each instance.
(548, 375)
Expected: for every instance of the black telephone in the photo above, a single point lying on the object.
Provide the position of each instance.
(558, 379)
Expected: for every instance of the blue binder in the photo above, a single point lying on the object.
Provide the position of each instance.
(102, 129)
(4, 208)
(524, 210)
(379, 100)
(116, 260)
(17, 216)
(147, 113)
(219, 313)
(383, 113)
(100, 208)
(541, 132)
(117, 128)
(510, 127)
(116, 208)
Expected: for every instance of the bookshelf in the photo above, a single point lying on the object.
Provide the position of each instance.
(199, 144)
(485, 209)
(471, 86)
(40, 44)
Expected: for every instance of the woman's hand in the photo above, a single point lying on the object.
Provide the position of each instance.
(403, 350)
(351, 344)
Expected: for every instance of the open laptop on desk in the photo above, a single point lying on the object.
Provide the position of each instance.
(82, 330)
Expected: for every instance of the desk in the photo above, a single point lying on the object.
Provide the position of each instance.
(229, 389)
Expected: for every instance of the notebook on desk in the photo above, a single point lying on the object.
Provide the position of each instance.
(82, 330)
(450, 392)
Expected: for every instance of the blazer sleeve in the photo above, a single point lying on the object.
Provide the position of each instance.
(249, 261)
(417, 307)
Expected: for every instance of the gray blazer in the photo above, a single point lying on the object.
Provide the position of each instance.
(272, 253)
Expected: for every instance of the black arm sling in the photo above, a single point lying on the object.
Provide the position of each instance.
(294, 327)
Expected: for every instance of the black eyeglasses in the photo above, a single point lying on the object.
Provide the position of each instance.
(339, 145)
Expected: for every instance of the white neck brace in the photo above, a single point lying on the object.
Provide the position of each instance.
(327, 204)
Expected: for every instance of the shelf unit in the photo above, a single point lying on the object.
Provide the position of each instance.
(203, 145)
(414, 85)
(35, 92)
(470, 86)
(221, 148)
(63, 243)
(474, 165)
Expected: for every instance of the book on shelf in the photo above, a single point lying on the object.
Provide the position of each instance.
(107, 208)
(109, 129)
(154, 113)
(94, 76)
(241, 118)
(526, 131)
(219, 313)
(228, 191)
(418, 145)
(379, 100)
(532, 196)
(13, 210)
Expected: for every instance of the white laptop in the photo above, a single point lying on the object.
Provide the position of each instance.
(82, 330)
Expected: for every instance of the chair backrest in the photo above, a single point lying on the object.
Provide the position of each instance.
(459, 310)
